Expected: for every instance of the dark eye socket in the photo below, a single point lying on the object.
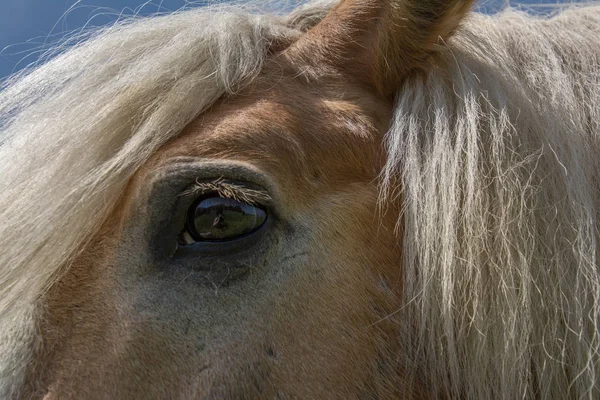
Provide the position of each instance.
(218, 219)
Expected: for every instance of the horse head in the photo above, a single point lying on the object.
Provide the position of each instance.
(341, 201)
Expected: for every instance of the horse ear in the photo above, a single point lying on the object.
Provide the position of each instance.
(381, 41)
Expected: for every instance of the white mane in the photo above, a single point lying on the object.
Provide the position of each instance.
(498, 157)
(499, 163)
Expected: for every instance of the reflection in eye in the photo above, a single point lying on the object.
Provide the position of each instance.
(221, 219)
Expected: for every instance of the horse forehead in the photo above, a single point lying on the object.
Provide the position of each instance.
(290, 123)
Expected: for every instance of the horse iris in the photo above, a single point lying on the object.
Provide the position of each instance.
(221, 219)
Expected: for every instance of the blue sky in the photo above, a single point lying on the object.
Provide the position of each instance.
(27, 27)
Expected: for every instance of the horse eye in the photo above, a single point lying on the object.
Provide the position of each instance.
(219, 219)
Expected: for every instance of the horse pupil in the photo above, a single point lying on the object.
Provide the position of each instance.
(218, 218)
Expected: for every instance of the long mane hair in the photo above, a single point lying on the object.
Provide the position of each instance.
(495, 156)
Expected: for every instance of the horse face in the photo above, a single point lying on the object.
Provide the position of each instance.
(288, 288)
(297, 307)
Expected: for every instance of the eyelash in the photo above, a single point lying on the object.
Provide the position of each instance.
(229, 190)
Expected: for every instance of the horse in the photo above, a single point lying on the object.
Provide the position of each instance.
(370, 199)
